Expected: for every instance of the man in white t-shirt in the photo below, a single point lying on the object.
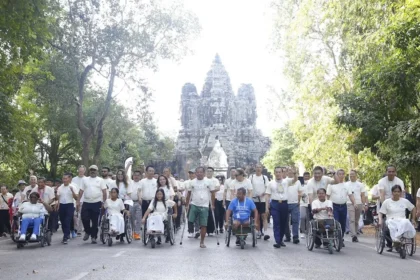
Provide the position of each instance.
(109, 183)
(193, 228)
(46, 193)
(322, 209)
(33, 180)
(305, 207)
(135, 210)
(66, 194)
(317, 182)
(227, 193)
(259, 184)
(240, 182)
(387, 182)
(294, 196)
(147, 190)
(201, 191)
(359, 192)
(94, 193)
(338, 194)
(78, 181)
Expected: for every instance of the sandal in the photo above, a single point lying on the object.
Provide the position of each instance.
(202, 246)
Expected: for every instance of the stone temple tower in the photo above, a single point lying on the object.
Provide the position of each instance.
(218, 114)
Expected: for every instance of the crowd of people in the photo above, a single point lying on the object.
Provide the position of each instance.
(206, 203)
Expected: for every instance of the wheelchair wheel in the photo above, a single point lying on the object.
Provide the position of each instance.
(109, 241)
(41, 237)
(242, 244)
(402, 251)
(171, 231)
(411, 247)
(19, 245)
(128, 230)
(14, 230)
(310, 238)
(48, 237)
(380, 240)
(338, 240)
(153, 243)
(330, 248)
(144, 235)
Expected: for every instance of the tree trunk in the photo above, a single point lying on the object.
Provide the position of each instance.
(55, 144)
(415, 182)
(87, 140)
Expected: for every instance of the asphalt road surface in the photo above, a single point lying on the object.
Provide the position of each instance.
(82, 260)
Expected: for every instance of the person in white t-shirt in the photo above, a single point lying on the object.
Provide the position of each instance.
(317, 182)
(78, 181)
(193, 228)
(201, 191)
(304, 205)
(240, 182)
(94, 193)
(164, 183)
(227, 193)
(114, 206)
(66, 194)
(394, 209)
(135, 210)
(215, 181)
(387, 182)
(359, 192)
(259, 184)
(33, 180)
(322, 209)
(294, 196)
(219, 209)
(172, 181)
(211, 227)
(123, 185)
(147, 190)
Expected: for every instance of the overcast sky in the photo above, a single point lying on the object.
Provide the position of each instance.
(240, 31)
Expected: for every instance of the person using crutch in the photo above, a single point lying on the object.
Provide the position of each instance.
(202, 191)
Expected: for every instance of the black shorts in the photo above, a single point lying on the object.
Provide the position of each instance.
(260, 207)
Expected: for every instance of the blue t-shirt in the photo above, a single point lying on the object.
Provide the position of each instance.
(241, 210)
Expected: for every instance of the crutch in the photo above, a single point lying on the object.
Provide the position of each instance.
(214, 220)
(186, 219)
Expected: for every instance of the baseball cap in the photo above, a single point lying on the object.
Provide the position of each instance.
(93, 167)
(191, 171)
(21, 182)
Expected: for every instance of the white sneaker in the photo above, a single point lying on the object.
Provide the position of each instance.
(302, 236)
(33, 237)
(22, 237)
(191, 235)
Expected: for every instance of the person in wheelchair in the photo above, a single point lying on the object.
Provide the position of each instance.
(159, 208)
(115, 206)
(241, 207)
(32, 213)
(394, 209)
(322, 209)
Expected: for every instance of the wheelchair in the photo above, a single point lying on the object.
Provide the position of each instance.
(382, 234)
(106, 235)
(328, 231)
(168, 232)
(241, 233)
(44, 237)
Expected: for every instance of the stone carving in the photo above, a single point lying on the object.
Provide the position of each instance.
(217, 114)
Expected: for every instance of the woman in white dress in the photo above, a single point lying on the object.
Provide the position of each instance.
(159, 208)
(115, 206)
(164, 184)
(394, 209)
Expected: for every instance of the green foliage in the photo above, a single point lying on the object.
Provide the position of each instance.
(281, 151)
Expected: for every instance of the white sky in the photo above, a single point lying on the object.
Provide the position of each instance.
(240, 31)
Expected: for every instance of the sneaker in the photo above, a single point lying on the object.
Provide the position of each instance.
(33, 237)
(136, 236)
(64, 241)
(266, 237)
(259, 235)
(197, 235)
(86, 237)
(94, 240)
(296, 241)
(282, 244)
(302, 236)
(221, 231)
(342, 244)
(79, 234)
(22, 237)
(287, 240)
(317, 246)
(276, 245)
(191, 235)
(354, 239)
(73, 234)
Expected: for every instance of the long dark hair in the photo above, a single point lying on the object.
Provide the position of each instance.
(167, 182)
(117, 181)
(155, 201)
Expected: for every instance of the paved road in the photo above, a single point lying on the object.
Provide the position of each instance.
(82, 260)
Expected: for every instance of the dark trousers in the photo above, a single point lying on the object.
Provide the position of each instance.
(4, 222)
(53, 221)
(279, 211)
(220, 214)
(144, 205)
(178, 218)
(90, 216)
(66, 212)
(340, 215)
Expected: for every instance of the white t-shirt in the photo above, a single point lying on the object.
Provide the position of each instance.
(92, 189)
(317, 204)
(160, 208)
(4, 205)
(28, 189)
(215, 182)
(259, 185)
(293, 192)
(47, 194)
(135, 186)
(246, 184)
(200, 192)
(168, 192)
(114, 207)
(304, 201)
(314, 185)
(219, 194)
(339, 193)
(19, 197)
(124, 191)
(228, 183)
(65, 194)
(279, 189)
(148, 188)
(418, 193)
(78, 181)
(396, 209)
(357, 189)
(110, 184)
(386, 185)
(30, 210)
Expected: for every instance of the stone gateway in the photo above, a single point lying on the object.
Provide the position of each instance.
(217, 114)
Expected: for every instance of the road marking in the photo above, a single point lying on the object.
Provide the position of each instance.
(374, 248)
(79, 276)
(118, 254)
